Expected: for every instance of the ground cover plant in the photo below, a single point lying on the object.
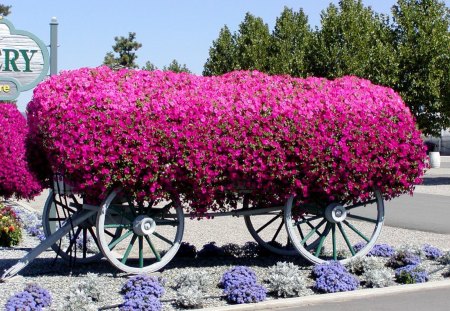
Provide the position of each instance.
(10, 228)
(276, 135)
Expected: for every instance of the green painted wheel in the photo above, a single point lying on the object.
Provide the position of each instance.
(150, 232)
(80, 244)
(337, 228)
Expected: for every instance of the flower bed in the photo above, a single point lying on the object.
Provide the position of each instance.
(156, 133)
(15, 176)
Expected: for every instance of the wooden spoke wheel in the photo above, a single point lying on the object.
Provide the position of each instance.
(139, 237)
(80, 244)
(338, 228)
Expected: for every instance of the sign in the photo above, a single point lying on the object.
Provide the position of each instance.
(24, 61)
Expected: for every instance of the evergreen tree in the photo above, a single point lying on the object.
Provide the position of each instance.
(221, 55)
(423, 45)
(353, 40)
(126, 49)
(5, 10)
(291, 39)
(252, 44)
(175, 66)
(149, 66)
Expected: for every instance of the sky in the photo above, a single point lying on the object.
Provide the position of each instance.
(167, 30)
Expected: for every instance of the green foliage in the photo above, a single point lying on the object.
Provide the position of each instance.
(252, 44)
(353, 40)
(126, 49)
(291, 39)
(5, 10)
(221, 55)
(423, 45)
(10, 230)
(149, 66)
(175, 66)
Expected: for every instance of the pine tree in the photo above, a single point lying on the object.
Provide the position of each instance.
(221, 55)
(126, 49)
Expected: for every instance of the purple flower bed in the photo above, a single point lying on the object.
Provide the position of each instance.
(240, 286)
(432, 252)
(333, 277)
(378, 250)
(410, 274)
(276, 135)
(33, 297)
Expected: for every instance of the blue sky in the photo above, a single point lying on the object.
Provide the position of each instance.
(182, 30)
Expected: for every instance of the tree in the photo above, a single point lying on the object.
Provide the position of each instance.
(126, 48)
(149, 66)
(252, 44)
(221, 55)
(5, 10)
(291, 39)
(353, 40)
(423, 45)
(176, 67)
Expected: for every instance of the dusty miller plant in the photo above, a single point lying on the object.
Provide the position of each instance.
(414, 249)
(378, 277)
(189, 297)
(83, 295)
(285, 280)
(359, 265)
(445, 258)
(194, 278)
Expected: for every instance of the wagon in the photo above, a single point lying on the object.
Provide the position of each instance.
(142, 233)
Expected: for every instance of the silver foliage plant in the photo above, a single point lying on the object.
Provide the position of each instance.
(445, 259)
(378, 277)
(83, 295)
(359, 265)
(191, 287)
(414, 249)
(285, 280)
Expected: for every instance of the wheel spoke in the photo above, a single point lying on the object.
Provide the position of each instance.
(120, 239)
(278, 231)
(141, 252)
(314, 230)
(159, 236)
(121, 211)
(163, 222)
(84, 242)
(362, 218)
(64, 206)
(129, 248)
(112, 226)
(307, 220)
(349, 245)
(73, 240)
(322, 239)
(268, 223)
(158, 257)
(356, 230)
(132, 208)
(94, 236)
(333, 238)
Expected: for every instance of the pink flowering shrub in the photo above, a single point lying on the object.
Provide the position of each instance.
(156, 133)
(15, 176)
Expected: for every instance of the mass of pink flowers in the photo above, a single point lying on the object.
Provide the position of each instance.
(16, 178)
(205, 138)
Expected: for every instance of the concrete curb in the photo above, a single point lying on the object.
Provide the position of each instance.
(334, 297)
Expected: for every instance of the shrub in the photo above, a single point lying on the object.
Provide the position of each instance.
(246, 293)
(378, 250)
(232, 250)
(194, 278)
(137, 129)
(432, 252)
(83, 295)
(21, 301)
(411, 274)
(140, 286)
(187, 250)
(189, 297)
(403, 258)
(16, 179)
(285, 280)
(359, 265)
(445, 258)
(238, 276)
(380, 277)
(10, 230)
(210, 250)
(251, 250)
(40, 295)
(333, 277)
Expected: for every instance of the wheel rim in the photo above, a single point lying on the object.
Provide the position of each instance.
(81, 243)
(337, 228)
(138, 237)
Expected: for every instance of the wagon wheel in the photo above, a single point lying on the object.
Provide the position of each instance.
(338, 228)
(80, 244)
(151, 232)
(269, 231)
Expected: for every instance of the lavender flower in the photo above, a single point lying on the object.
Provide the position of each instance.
(237, 277)
(141, 286)
(40, 295)
(403, 258)
(148, 303)
(22, 301)
(411, 274)
(333, 277)
(432, 252)
(378, 250)
(246, 293)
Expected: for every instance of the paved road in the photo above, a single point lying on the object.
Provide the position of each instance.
(429, 299)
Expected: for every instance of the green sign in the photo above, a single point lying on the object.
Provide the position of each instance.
(24, 61)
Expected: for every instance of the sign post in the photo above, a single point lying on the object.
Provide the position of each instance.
(24, 61)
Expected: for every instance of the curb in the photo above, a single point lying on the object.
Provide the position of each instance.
(20, 204)
(334, 297)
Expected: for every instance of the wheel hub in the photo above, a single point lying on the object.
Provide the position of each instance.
(335, 213)
(144, 225)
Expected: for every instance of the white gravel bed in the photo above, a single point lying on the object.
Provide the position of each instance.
(57, 275)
